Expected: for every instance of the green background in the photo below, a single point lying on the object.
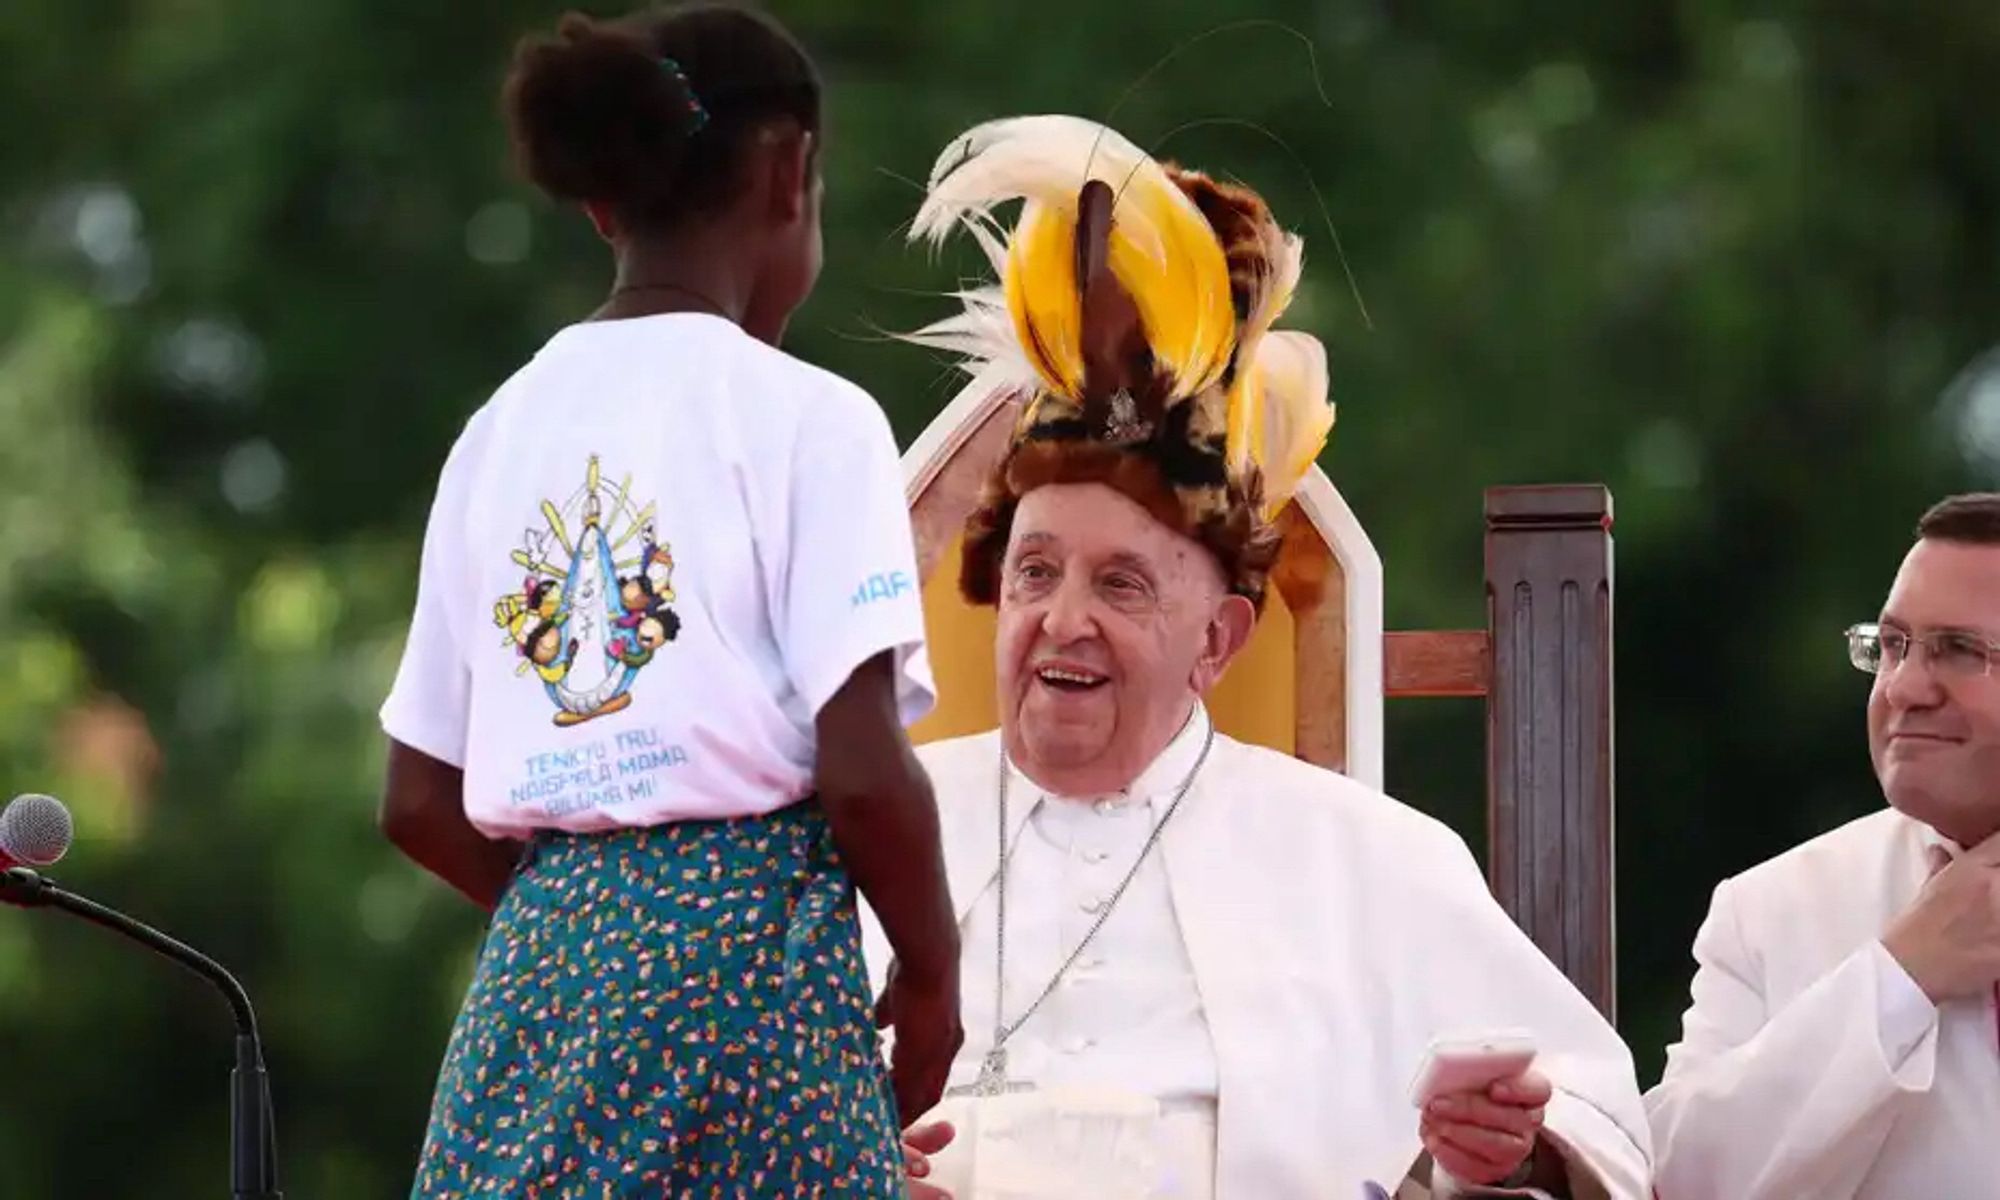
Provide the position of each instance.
(258, 262)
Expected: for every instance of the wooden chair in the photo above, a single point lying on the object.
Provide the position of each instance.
(1313, 679)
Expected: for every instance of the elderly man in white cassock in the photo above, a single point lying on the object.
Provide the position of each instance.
(1844, 1040)
(1195, 968)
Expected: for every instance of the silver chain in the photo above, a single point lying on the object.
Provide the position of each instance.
(1001, 1032)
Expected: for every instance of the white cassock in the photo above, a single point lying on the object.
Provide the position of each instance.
(1810, 1064)
(1247, 1023)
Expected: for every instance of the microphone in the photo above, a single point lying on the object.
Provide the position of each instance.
(36, 830)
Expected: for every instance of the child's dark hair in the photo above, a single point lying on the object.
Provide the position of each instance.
(650, 115)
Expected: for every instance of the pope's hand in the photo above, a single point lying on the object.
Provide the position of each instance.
(1485, 1135)
(919, 1143)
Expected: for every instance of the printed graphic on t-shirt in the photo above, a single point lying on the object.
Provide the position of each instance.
(596, 604)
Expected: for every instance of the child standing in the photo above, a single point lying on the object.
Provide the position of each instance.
(667, 638)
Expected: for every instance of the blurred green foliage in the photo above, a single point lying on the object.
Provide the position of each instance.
(259, 262)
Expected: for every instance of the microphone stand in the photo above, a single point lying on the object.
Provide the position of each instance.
(252, 1135)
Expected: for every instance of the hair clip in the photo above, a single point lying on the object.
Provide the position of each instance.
(697, 114)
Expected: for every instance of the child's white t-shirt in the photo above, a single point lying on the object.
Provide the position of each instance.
(654, 554)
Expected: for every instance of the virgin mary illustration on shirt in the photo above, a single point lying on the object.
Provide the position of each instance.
(585, 621)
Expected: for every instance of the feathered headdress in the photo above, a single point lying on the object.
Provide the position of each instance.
(1134, 316)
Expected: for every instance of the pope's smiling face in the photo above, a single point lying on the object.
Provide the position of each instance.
(1111, 625)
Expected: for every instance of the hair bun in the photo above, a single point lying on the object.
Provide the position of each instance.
(597, 115)
(653, 116)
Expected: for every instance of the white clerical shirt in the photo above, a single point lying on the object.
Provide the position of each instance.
(1126, 1019)
(1330, 932)
(1127, 1013)
(1811, 1064)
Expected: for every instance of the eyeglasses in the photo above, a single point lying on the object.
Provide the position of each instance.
(1953, 653)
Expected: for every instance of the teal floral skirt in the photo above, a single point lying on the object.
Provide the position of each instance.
(679, 1011)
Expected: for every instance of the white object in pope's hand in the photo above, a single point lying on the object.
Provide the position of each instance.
(1466, 1064)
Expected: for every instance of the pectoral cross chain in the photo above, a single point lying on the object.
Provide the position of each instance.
(992, 1080)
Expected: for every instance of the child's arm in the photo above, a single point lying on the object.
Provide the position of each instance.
(423, 813)
(427, 712)
(885, 825)
(848, 618)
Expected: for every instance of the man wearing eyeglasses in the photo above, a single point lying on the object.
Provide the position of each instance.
(1844, 1040)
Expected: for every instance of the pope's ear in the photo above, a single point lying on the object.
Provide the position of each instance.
(1228, 632)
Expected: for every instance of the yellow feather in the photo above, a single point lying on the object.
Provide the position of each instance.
(1284, 256)
(1162, 249)
(1291, 416)
(1242, 424)
(1182, 291)
(1040, 284)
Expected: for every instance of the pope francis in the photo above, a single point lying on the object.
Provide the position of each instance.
(1194, 967)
